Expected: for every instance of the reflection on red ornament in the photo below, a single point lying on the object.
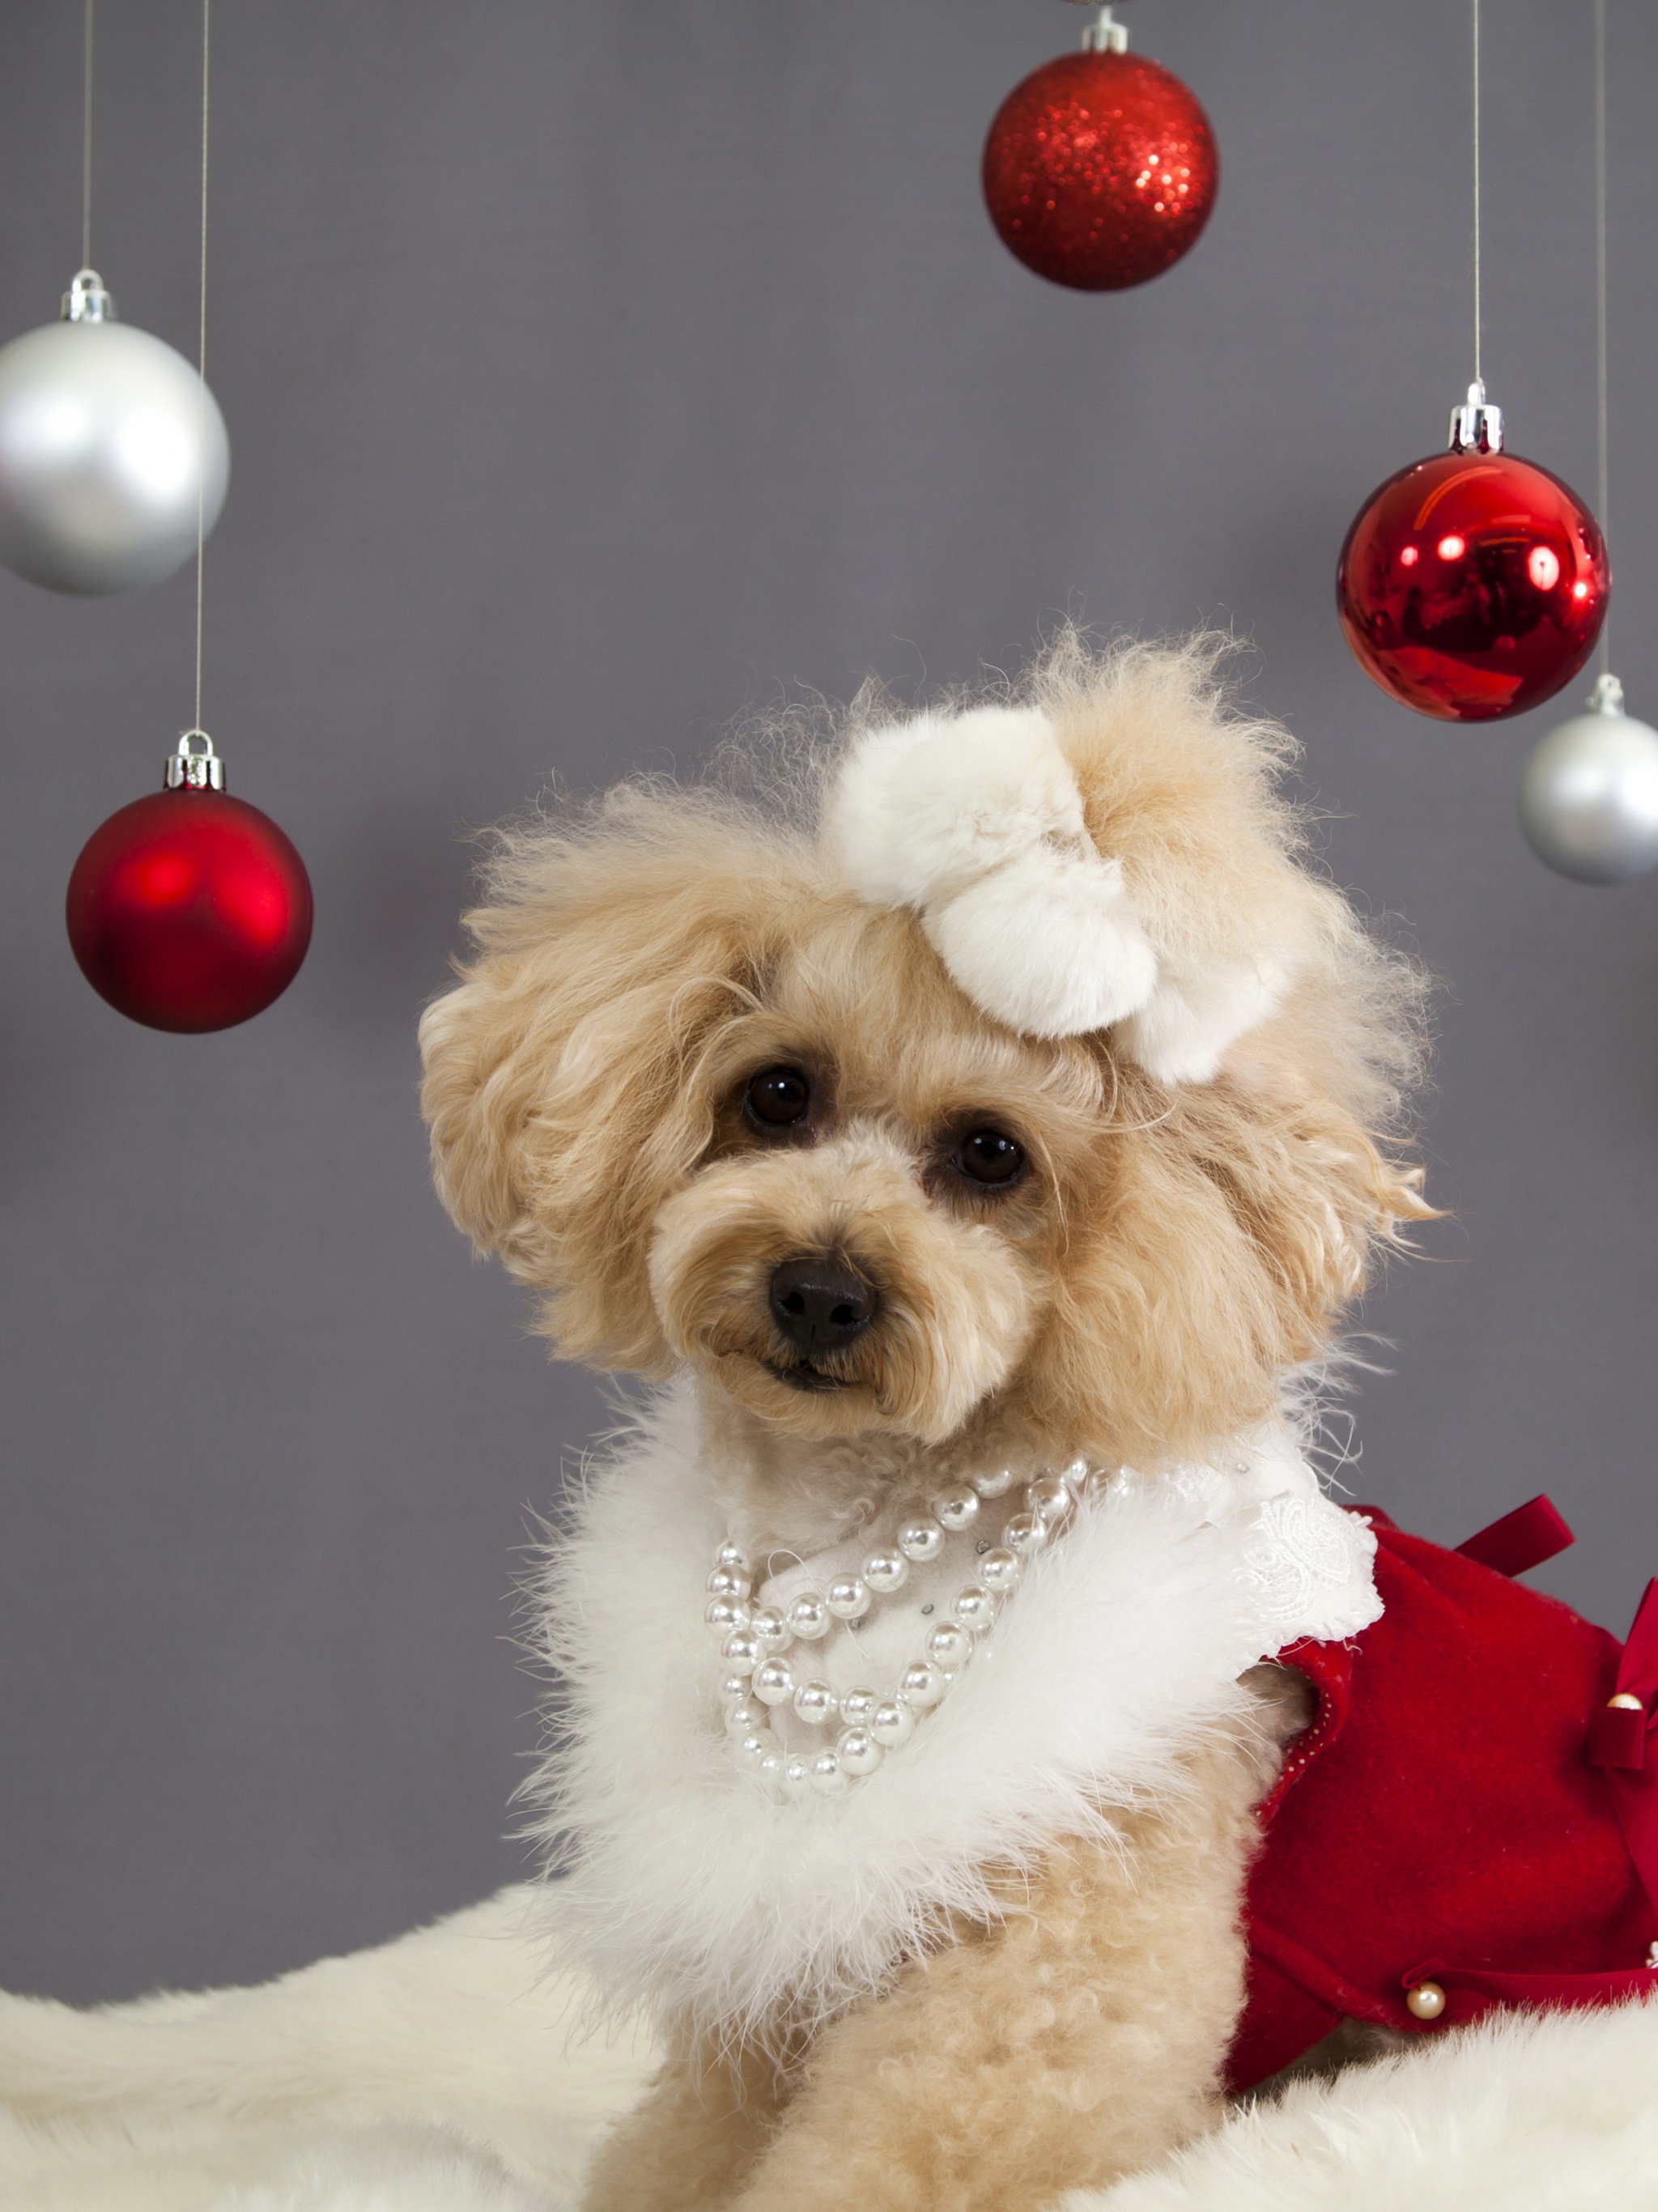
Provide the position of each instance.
(1099, 170)
(1474, 586)
(189, 910)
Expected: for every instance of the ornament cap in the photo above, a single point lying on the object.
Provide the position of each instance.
(194, 771)
(86, 300)
(1105, 35)
(1476, 425)
(1607, 697)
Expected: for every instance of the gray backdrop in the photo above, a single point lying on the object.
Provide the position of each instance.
(593, 372)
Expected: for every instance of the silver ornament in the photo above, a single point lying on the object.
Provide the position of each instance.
(1589, 800)
(107, 440)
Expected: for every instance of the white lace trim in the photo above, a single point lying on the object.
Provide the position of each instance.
(1311, 1564)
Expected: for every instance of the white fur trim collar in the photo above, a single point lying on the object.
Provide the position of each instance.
(688, 1887)
(975, 822)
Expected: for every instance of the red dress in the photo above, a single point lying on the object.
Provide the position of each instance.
(1467, 1808)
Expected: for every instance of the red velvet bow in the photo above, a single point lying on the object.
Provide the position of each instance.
(1619, 1737)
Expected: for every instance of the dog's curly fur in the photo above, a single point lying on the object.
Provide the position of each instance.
(1170, 1255)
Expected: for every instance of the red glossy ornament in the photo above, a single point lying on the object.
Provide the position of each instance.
(1473, 585)
(189, 910)
(1099, 170)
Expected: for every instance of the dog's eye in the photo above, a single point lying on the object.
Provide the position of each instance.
(777, 1097)
(987, 1156)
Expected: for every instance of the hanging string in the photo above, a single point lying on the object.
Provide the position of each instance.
(1478, 375)
(86, 148)
(1601, 411)
(201, 374)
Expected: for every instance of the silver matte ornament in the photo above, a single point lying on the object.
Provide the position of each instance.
(1589, 800)
(107, 439)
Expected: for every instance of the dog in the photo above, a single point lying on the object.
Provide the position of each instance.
(973, 1126)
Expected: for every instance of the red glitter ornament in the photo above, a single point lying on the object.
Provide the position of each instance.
(189, 910)
(1473, 585)
(1100, 169)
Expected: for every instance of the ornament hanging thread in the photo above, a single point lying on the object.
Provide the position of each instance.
(190, 910)
(1473, 585)
(1588, 797)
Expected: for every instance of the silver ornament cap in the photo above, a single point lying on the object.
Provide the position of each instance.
(1477, 424)
(189, 771)
(107, 441)
(1589, 798)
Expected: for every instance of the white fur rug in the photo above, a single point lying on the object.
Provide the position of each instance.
(441, 2073)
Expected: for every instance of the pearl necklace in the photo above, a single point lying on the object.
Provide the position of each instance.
(756, 1641)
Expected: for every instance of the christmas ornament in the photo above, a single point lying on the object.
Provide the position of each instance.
(1589, 800)
(1473, 585)
(189, 910)
(1099, 170)
(108, 444)
(114, 457)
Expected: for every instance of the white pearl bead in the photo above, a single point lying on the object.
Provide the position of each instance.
(733, 1688)
(774, 1681)
(1099, 1483)
(724, 1583)
(999, 1570)
(745, 1719)
(826, 1776)
(724, 1613)
(921, 1539)
(923, 1685)
(741, 1651)
(892, 1723)
(957, 1508)
(1075, 1476)
(772, 1767)
(973, 1608)
(1049, 1499)
(809, 1617)
(769, 1625)
(858, 1752)
(756, 1747)
(857, 1706)
(733, 1557)
(995, 1485)
(1024, 1535)
(848, 1597)
(815, 1703)
(886, 1571)
(950, 1647)
(797, 1775)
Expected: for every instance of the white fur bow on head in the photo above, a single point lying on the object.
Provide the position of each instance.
(975, 822)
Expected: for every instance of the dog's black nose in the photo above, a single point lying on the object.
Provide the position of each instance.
(820, 1304)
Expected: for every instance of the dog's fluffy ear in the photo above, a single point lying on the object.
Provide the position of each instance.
(1251, 1185)
(1231, 1224)
(557, 1084)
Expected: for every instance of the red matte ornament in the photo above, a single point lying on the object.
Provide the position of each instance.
(1473, 585)
(1099, 170)
(189, 910)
